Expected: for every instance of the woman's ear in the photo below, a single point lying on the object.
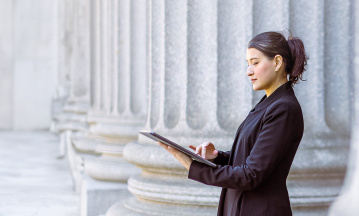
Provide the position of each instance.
(278, 62)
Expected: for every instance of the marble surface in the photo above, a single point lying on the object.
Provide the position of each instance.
(32, 180)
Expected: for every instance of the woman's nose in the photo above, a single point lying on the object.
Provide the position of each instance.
(249, 71)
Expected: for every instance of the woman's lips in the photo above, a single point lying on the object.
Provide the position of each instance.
(253, 80)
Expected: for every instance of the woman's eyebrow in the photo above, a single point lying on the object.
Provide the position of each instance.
(251, 59)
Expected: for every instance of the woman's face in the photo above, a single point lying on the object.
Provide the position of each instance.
(261, 70)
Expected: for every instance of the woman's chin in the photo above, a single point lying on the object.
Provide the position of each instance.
(256, 88)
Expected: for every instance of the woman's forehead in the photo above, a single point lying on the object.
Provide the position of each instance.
(253, 53)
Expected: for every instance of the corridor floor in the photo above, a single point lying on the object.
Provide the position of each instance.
(33, 181)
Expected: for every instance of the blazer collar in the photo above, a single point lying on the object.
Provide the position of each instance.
(265, 101)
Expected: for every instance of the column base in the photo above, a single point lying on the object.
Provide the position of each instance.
(173, 189)
(69, 121)
(84, 143)
(310, 210)
(106, 168)
(75, 161)
(97, 196)
(139, 207)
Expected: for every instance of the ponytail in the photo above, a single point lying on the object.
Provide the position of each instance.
(299, 59)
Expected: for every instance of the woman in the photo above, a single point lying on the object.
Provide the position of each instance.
(253, 174)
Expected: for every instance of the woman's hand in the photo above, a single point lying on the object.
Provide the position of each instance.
(181, 157)
(206, 150)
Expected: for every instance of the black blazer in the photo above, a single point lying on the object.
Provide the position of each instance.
(253, 174)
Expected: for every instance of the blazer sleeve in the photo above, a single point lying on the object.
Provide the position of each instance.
(222, 158)
(278, 132)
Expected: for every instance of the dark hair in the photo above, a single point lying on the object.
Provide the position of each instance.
(291, 50)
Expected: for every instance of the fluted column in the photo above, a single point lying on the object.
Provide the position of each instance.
(63, 86)
(319, 166)
(74, 73)
(268, 16)
(74, 65)
(121, 111)
(119, 104)
(79, 56)
(189, 88)
(347, 202)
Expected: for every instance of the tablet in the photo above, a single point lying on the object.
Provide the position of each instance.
(157, 137)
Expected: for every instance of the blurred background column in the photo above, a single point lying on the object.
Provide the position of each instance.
(74, 66)
(347, 202)
(118, 102)
(72, 99)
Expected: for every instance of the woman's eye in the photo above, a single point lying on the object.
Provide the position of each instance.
(252, 64)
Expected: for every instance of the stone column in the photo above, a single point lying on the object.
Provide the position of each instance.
(187, 102)
(63, 86)
(319, 167)
(267, 16)
(74, 65)
(119, 104)
(120, 110)
(347, 202)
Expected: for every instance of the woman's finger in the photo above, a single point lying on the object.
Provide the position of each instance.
(204, 150)
(167, 147)
(192, 147)
(198, 149)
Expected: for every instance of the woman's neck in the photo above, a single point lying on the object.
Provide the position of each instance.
(276, 85)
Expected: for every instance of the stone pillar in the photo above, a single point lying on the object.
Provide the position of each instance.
(119, 104)
(119, 111)
(318, 169)
(80, 56)
(74, 65)
(347, 202)
(319, 166)
(187, 102)
(267, 16)
(74, 70)
(63, 70)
